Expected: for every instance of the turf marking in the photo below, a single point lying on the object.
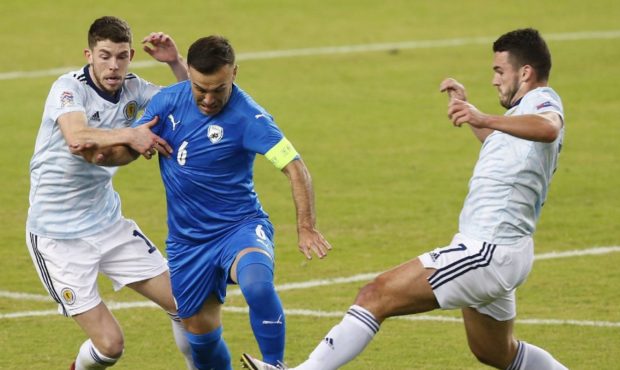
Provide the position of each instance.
(340, 280)
(331, 50)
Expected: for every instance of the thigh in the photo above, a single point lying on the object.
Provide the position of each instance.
(207, 319)
(157, 289)
(128, 256)
(402, 290)
(68, 269)
(490, 340)
(195, 275)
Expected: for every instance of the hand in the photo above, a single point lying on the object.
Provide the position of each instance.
(145, 142)
(460, 112)
(312, 240)
(454, 89)
(161, 47)
(86, 149)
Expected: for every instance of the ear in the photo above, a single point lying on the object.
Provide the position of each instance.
(132, 52)
(528, 73)
(88, 54)
(235, 71)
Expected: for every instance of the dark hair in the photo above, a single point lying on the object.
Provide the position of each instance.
(526, 47)
(208, 54)
(108, 28)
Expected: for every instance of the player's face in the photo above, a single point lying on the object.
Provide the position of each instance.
(109, 62)
(507, 79)
(211, 92)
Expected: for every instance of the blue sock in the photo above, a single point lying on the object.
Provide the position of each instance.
(255, 277)
(209, 350)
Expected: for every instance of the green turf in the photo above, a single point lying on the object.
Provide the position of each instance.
(390, 171)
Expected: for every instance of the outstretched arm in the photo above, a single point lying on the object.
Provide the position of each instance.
(162, 48)
(309, 238)
(95, 145)
(543, 127)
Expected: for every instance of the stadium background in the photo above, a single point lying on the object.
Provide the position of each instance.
(390, 172)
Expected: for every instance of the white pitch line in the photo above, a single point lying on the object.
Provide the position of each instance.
(25, 296)
(345, 49)
(323, 282)
(315, 313)
(577, 253)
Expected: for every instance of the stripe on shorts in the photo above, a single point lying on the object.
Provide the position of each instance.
(457, 268)
(45, 275)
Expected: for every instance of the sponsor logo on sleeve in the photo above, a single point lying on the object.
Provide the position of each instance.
(66, 99)
(546, 105)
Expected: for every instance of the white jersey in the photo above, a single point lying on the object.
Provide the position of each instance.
(69, 197)
(511, 179)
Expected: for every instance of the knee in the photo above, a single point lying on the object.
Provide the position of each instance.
(371, 297)
(482, 357)
(111, 346)
(490, 356)
(257, 290)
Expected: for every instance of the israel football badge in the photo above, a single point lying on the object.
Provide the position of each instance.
(215, 133)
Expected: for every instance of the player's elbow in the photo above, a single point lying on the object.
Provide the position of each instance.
(550, 134)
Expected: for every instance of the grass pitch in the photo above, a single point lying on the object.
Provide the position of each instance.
(390, 171)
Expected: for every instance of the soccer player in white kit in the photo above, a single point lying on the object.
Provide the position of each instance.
(493, 252)
(75, 228)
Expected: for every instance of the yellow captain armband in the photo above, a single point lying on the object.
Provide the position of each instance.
(282, 153)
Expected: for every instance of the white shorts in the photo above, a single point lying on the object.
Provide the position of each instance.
(69, 268)
(471, 273)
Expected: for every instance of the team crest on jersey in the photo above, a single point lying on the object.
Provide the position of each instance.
(66, 99)
(215, 133)
(68, 295)
(131, 110)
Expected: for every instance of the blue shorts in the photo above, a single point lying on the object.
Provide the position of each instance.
(198, 271)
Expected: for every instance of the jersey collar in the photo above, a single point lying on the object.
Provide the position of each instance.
(111, 98)
(516, 103)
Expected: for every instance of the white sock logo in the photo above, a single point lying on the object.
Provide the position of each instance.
(330, 342)
(277, 322)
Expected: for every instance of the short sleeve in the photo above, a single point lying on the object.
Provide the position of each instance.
(261, 134)
(154, 108)
(545, 101)
(147, 91)
(66, 95)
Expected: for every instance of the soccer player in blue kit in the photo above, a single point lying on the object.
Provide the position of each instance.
(218, 231)
(493, 252)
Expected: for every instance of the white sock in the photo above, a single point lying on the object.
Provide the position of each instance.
(344, 341)
(89, 358)
(530, 357)
(178, 331)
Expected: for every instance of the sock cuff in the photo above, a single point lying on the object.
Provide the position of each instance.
(205, 338)
(99, 357)
(363, 318)
(518, 360)
(260, 257)
(174, 316)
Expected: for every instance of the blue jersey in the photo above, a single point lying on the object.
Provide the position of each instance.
(209, 177)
